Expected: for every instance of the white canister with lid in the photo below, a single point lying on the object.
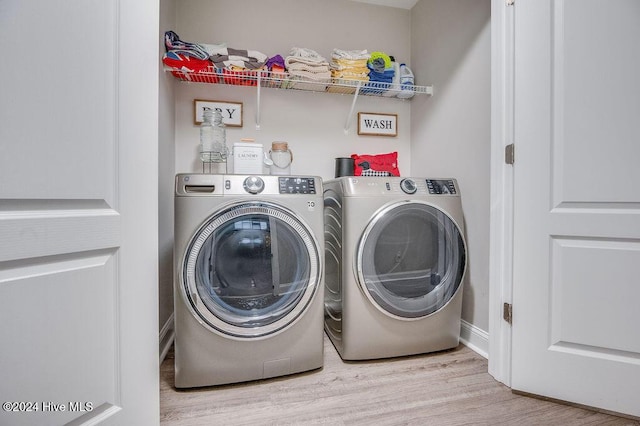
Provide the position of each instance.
(281, 157)
(247, 157)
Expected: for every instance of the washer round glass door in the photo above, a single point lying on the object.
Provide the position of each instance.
(410, 260)
(251, 269)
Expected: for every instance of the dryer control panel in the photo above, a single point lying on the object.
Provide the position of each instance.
(441, 186)
(362, 186)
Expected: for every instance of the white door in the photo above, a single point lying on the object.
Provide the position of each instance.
(78, 212)
(576, 288)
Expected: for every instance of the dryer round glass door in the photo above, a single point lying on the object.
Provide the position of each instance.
(251, 269)
(410, 260)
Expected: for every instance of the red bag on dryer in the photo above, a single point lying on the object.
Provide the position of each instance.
(376, 165)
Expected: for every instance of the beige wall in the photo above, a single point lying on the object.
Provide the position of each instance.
(313, 124)
(450, 132)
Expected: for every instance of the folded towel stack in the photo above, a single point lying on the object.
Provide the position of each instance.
(238, 66)
(172, 43)
(236, 59)
(188, 61)
(381, 73)
(349, 64)
(307, 64)
(380, 67)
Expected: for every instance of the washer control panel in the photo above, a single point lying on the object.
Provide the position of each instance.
(297, 185)
(441, 186)
(212, 185)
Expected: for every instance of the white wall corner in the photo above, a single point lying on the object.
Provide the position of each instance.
(167, 334)
(474, 338)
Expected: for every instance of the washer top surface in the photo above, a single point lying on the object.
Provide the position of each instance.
(358, 186)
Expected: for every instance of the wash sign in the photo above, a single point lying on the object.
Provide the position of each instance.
(377, 124)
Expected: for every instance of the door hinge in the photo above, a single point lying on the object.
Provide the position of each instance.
(510, 2)
(507, 312)
(509, 155)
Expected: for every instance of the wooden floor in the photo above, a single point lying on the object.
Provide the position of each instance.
(446, 388)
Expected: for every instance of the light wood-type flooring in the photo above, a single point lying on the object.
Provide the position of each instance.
(445, 388)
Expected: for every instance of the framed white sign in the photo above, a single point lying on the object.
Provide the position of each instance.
(377, 124)
(231, 111)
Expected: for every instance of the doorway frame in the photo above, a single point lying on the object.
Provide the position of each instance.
(501, 215)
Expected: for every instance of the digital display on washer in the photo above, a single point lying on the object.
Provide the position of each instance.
(297, 185)
(436, 186)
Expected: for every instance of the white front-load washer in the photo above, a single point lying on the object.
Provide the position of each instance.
(248, 291)
(395, 258)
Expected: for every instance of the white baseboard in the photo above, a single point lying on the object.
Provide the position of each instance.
(166, 338)
(474, 338)
(471, 336)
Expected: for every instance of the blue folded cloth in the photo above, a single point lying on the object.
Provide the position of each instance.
(386, 76)
(376, 64)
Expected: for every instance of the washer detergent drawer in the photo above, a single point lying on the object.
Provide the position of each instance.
(199, 184)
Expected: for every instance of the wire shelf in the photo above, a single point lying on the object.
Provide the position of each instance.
(285, 81)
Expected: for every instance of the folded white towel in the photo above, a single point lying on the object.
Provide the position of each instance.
(309, 55)
(350, 54)
(301, 66)
(307, 64)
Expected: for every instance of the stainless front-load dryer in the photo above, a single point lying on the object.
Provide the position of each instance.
(248, 277)
(395, 259)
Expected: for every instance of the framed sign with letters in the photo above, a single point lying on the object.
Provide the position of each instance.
(231, 111)
(376, 124)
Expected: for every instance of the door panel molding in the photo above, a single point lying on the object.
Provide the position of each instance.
(44, 233)
(588, 275)
(587, 78)
(67, 303)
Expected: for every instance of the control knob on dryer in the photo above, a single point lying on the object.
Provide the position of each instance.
(253, 185)
(408, 186)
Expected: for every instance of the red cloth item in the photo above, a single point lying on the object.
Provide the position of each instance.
(188, 68)
(181, 62)
(376, 165)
